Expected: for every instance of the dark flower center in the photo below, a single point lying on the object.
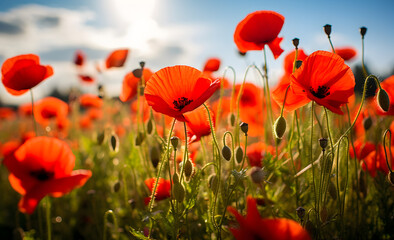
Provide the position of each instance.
(42, 175)
(181, 103)
(322, 91)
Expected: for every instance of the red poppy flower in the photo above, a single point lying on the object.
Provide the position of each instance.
(323, 78)
(376, 161)
(178, 89)
(388, 86)
(7, 113)
(212, 65)
(95, 113)
(79, 58)
(363, 149)
(347, 53)
(48, 108)
(258, 29)
(90, 100)
(25, 109)
(116, 58)
(163, 189)
(86, 78)
(198, 124)
(43, 166)
(23, 72)
(130, 84)
(256, 153)
(252, 226)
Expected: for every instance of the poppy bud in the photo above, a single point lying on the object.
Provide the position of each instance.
(139, 139)
(390, 177)
(327, 29)
(213, 183)
(323, 143)
(298, 64)
(363, 31)
(232, 119)
(101, 92)
(188, 168)
(226, 152)
(100, 138)
(241, 53)
(383, 100)
(296, 41)
(280, 127)
(244, 128)
(114, 143)
(300, 212)
(175, 178)
(178, 192)
(323, 214)
(154, 153)
(142, 64)
(132, 203)
(362, 184)
(367, 123)
(332, 190)
(239, 154)
(117, 186)
(257, 174)
(149, 126)
(174, 142)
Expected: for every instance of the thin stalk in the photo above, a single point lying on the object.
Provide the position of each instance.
(185, 154)
(313, 169)
(362, 57)
(384, 146)
(32, 112)
(48, 218)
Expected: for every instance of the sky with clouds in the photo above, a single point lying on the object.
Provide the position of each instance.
(169, 32)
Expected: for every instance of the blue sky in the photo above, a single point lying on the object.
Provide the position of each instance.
(170, 32)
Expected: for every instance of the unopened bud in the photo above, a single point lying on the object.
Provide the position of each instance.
(226, 152)
(188, 168)
(257, 174)
(298, 64)
(178, 191)
(244, 127)
(174, 142)
(367, 123)
(149, 126)
(296, 41)
(142, 64)
(175, 178)
(154, 153)
(390, 177)
(232, 119)
(383, 100)
(100, 138)
(213, 183)
(117, 186)
(323, 143)
(114, 143)
(327, 29)
(139, 139)
(363, 31)
(239, 154)
(280, 127)
(300, 212)
(332, 190)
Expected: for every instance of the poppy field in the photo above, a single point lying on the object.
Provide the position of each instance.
(187, 153)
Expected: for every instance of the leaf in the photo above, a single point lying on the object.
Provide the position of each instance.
(137, 234)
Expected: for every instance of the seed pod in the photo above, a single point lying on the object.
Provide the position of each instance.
(239, 154)
(327, 29)
(367, 123)
(137, 73)
(298, 64)
(178, 191)
(175, 178)
(383, 100)
(226, 152)
(100, 137)
(323, 143)
(296, 41)
(280, 127)
(323, 214)
(188, 168)
(114, 143)
(213, 183)
(174, 142)
(154, 153)
(257, 175)
(363, 31)
(117, 186)
(332, 190)
(244, 127)
(142, 64)
(300, 212)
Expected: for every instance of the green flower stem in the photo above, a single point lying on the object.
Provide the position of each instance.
(48, 217)
(185, 154)
(362, 57)
(232, 146)
(385, 151)
(245, 156)
(267, 89)
(313, 170)
(32, 112)
(292, 159)
(219, 108)
(106, 216)
(152, 200)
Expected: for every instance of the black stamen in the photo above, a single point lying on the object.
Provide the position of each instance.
(322, 92)
(181, 103)
(41, 174)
